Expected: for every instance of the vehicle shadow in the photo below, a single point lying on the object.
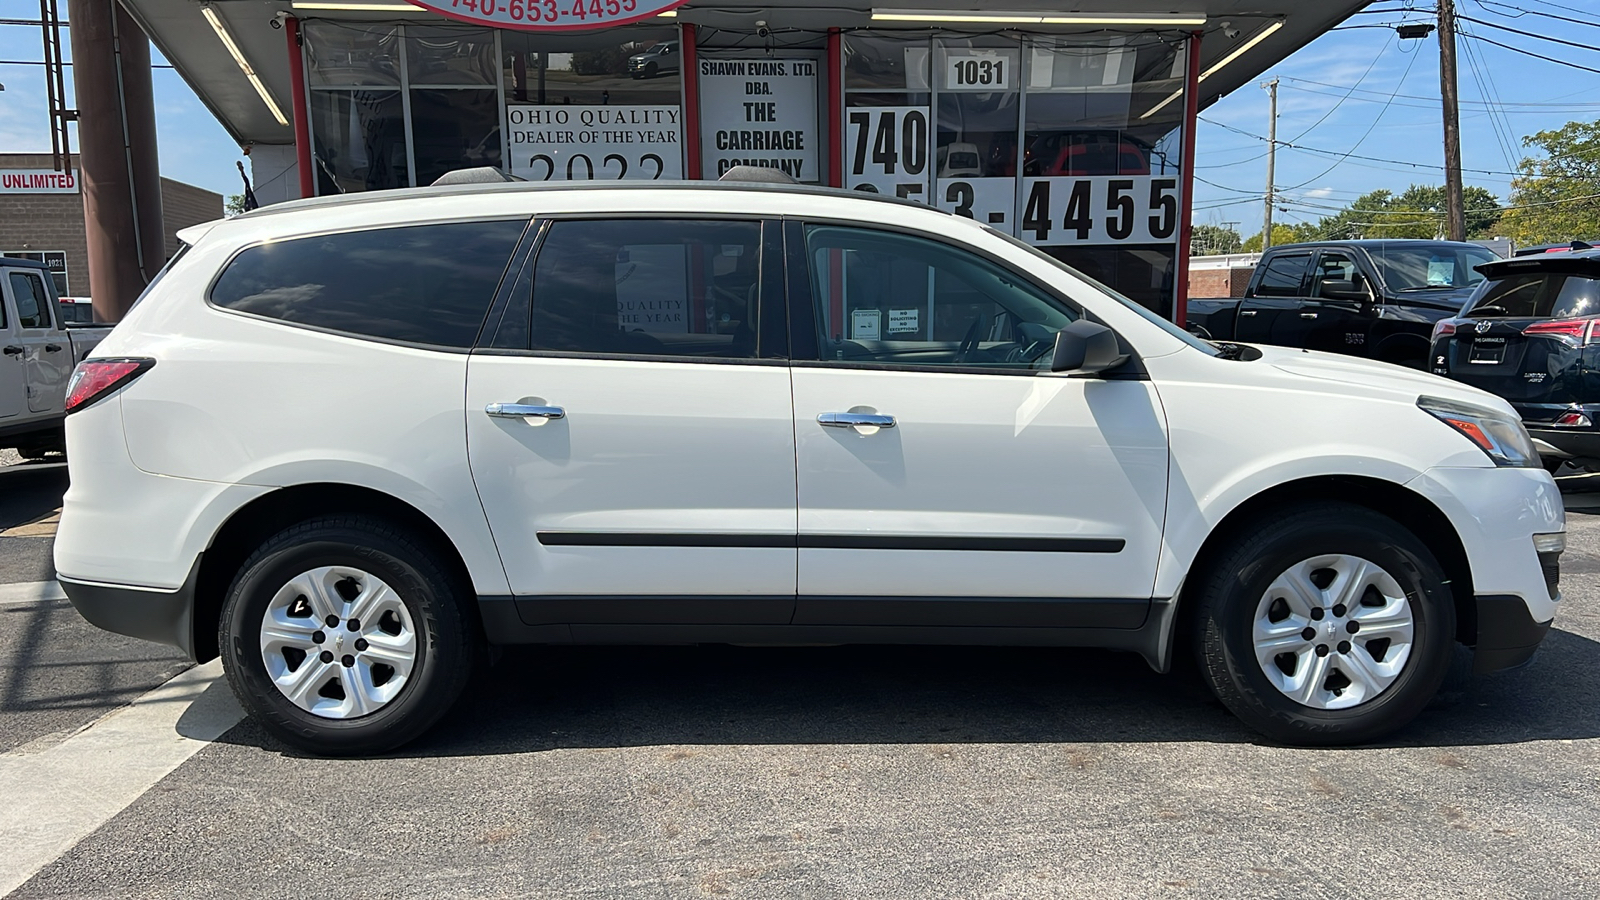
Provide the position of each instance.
(29, 491)
(552, 698)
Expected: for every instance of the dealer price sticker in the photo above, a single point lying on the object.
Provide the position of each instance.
(1103, 209)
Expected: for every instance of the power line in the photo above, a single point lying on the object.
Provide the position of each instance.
(1485, 4)
(1364, 135)
(1532, 34)
(1379, 159)
(1559, 62)
(1384, 94)
(1334, 107)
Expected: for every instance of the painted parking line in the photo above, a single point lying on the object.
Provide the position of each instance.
(55, 798)
(44, 526)
(30, 592)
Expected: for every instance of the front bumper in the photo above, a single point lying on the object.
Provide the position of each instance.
(1507, 633)
(166, 617)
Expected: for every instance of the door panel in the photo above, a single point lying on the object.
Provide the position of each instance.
(1337, 324)
(653, 490)
(987, 486)
(47, 351)
(13, 366)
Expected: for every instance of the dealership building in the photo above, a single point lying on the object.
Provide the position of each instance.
(1065, 125)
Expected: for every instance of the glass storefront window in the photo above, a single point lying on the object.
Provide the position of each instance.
(462, 130)
(444, 55)
(593, 69)
(342, 54)
(358, 140)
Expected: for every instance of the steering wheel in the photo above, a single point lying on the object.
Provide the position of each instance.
(969, 341)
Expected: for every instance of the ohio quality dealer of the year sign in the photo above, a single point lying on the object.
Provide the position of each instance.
(549, 15)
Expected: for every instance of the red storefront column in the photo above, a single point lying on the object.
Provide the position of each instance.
(691, 103)
(302, 121)
(1191, 117)
(834, 84)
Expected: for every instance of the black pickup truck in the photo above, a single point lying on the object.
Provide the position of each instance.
(1374, 298)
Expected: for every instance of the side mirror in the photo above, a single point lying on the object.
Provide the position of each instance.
(1086, 348)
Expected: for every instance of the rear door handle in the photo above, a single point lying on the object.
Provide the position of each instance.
(1308, 315)
(52, 348)
(524, 411)
(13, 350)
(852, 420)
(1247, 312)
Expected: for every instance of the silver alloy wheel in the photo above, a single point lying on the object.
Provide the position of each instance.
(338, 642)
(1333, 631)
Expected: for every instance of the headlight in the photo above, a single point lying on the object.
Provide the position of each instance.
(1500, 436)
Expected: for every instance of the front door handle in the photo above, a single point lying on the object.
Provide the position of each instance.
(13, 350)
(1247, 312)
(853, 420)
(52, 348)
(1308, 315)
(524, 411)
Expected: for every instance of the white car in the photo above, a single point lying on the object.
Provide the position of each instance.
(348, 443)
(42, 337)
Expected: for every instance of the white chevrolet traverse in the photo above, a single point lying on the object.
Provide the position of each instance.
(348, 443)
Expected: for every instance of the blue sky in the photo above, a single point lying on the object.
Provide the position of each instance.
(1317, 111)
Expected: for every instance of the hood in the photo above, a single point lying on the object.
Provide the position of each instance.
(1402, 384)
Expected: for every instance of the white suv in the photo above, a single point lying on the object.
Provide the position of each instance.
(350, 443)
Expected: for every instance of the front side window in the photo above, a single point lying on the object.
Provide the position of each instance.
(1337, 272)
(33, 306)
(424, 284)
(890, 298)
(652, 287)
(1282, 275)
(1430, 267)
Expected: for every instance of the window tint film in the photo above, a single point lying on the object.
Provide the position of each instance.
(33, 309)
(666, 287)
(1281, 276)
(426, 284)
(1539, 295)
(900, 300)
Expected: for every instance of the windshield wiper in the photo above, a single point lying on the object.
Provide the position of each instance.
(1227, 350)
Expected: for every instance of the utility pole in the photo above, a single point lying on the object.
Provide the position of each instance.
(1455, 212)
(1272, 148)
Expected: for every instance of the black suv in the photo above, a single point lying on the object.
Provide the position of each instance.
(1531, 333)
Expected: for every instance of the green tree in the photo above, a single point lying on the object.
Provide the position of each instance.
(1481, 207)
(1212, 239)
(1281, 234)
(1557, 197)
(234, 205)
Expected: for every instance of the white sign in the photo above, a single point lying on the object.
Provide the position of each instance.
(38, 181)
(1104, 209)
(992, 201)
(584, 143)
(979, 71)
(549, 15)
(759, 112)
(886, 150)
(902, 320)
(864, 324)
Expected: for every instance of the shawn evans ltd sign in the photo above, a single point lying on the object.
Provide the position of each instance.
(759, 112)
(549, 15)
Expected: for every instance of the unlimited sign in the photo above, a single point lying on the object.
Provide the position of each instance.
(549, 15)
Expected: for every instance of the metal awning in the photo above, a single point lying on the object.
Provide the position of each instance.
(1257, 36)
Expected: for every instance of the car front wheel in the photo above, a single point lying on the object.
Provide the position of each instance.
(345, 635)
(1326, 625)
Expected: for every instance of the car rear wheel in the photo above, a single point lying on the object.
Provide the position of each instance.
(345, 635)
(1326, 625)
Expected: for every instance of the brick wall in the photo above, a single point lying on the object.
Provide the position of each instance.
(1219, 282)
(55, 221)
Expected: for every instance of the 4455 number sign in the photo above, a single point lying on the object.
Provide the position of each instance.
(1103, 209)
(549, 15)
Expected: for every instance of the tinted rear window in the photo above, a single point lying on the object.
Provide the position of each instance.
(425, 284)
(1281, 276)
(1539, 295)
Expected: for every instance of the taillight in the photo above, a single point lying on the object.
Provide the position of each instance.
(1442, 328)
(1579, 331)
(95, 379)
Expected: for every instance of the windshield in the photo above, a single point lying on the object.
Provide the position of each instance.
(1148, 315)
(1430, 267)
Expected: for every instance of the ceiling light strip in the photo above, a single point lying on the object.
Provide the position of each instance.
(244, 65)
(360, 7)
(1021, 18)
(1239, 51)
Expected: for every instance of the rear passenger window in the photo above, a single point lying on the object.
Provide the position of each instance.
(424, 284)
(1282, 275)
(33, 306)
(652, 287)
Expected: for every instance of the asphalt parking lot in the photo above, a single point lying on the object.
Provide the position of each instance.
(819, 772)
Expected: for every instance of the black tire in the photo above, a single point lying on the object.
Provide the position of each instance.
(445, 639)
(1232, 587)
(650, 70)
